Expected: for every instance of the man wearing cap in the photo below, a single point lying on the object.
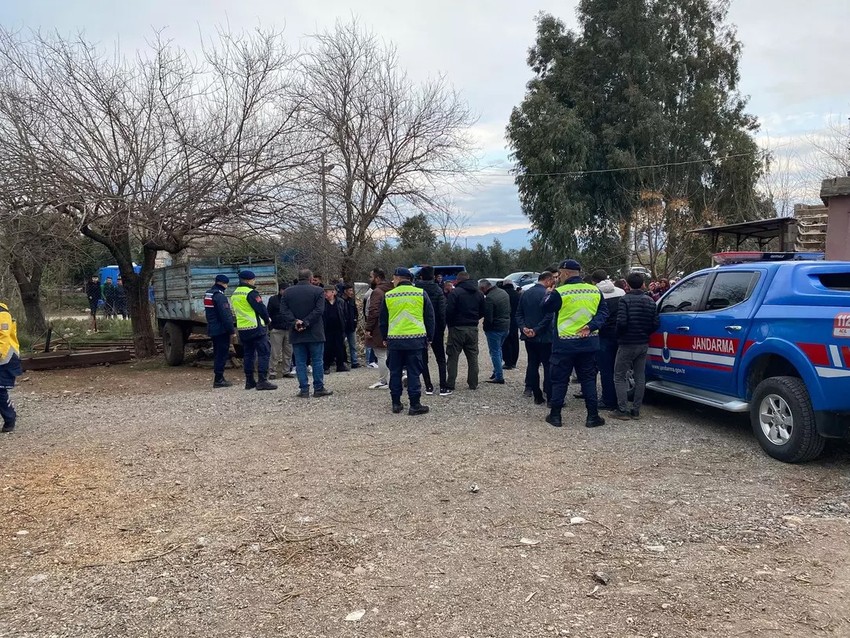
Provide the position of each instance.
(251, 321)
(219, 327)
(579, 314)
(10, 366)
(407, 320)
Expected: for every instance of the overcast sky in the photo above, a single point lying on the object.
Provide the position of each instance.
(794, 65)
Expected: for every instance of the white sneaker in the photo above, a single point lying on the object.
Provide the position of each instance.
(380, 385)
(373, 365)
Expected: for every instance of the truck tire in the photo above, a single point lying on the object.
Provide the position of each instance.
(173, 343)
(783, 420)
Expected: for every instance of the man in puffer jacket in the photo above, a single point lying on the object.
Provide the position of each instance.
(607, 353)
(637, 319)
(464, 310)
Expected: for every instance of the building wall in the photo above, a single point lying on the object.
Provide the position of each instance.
(838, 238)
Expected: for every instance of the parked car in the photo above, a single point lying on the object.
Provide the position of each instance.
(769, 336)
(521, 279)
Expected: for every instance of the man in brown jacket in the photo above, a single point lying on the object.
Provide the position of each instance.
(374, 338)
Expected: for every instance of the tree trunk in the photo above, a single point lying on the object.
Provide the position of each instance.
(136, 286)
(29, 288)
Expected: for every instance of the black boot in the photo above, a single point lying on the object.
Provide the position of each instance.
(594, 421)
(9, 427)
(221, 382)
(416, 408)
(398, 406)
(554, 418)
(250, 383)
(263, 384)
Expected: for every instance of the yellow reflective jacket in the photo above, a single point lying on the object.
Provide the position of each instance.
(9, 345)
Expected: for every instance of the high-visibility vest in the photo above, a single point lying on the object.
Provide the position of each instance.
(406, 310)
(579, 303)
(246, 316)
(9, 345)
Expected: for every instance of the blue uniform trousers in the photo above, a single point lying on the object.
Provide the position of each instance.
(562, 363)
(221, 353)
(256, 350)
(7, 408)
(397, 361)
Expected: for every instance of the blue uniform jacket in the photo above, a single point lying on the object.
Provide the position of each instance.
(409, 344)
(218, 312)
(552, 303)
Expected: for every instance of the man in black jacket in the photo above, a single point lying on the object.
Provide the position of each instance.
(220, 327)
(536, 327)
(438, 300)
(607, 354)
(464, 310)
(349, 305)
(94, 295)
(510, 349)
(279, 336)
(637, 319)
(303, 307)
(334, 318)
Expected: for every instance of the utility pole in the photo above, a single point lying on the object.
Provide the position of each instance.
(324, 170)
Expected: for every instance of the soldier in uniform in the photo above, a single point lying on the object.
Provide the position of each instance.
(579, 314)
(252, 320)
(407, 320)
(219, 327)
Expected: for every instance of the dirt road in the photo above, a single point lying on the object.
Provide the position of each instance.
(138, 502)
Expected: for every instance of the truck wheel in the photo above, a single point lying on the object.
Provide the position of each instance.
(783, 420)
(173, 343)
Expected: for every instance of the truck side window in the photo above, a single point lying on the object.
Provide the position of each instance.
(730, 289)
(685, 297)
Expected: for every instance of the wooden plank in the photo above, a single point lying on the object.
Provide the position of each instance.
(54, 360)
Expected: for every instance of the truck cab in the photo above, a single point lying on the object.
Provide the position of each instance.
(763, 333)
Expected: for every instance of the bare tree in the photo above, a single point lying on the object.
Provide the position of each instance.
(150, 154)
(832, 158)
(393, 144)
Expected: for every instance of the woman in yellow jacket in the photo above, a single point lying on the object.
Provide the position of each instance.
(10, 366)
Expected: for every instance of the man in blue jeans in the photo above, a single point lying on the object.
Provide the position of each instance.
(497, 322)
(303, 307)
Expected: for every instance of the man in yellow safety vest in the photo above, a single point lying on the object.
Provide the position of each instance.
(10, 366)
(579, 313)
(407, 320)
(252, 320)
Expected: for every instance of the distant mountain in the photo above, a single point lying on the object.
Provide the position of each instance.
(511, 239)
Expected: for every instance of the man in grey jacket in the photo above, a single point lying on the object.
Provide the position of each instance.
(497, 322)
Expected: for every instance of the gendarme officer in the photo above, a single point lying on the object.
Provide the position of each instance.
(252, 320)
(579, 313)
(219, 327)
(407, 319)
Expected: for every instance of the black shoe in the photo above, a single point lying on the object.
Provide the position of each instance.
(493, 376)
(355, 366)
(498, 381)
(473, 387)
(444, 392)
(539, 400)
(8, 427)
(303, 395)
(508, 367)
(429, 390)
(554, 420)
(343, 368)
(594, 421)
(623, 415)
(221, 383)
(322, 393)
(416, 410)
(635, 414)
(528, 392)
(250, 383)
(327, 370)
(398, 408)
(263, 384)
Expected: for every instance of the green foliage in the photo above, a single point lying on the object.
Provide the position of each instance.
(631, 103)
(416, 232)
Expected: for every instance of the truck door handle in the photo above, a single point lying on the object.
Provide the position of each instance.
(733, 328)
(683, 328)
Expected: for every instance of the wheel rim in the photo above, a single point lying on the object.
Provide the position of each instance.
(776, 419)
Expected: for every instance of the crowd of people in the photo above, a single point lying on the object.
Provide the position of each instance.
(570, 324)
(108, 298)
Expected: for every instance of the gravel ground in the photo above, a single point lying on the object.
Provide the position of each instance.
(136, 501)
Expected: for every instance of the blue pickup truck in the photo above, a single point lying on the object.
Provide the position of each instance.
(769, 336)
